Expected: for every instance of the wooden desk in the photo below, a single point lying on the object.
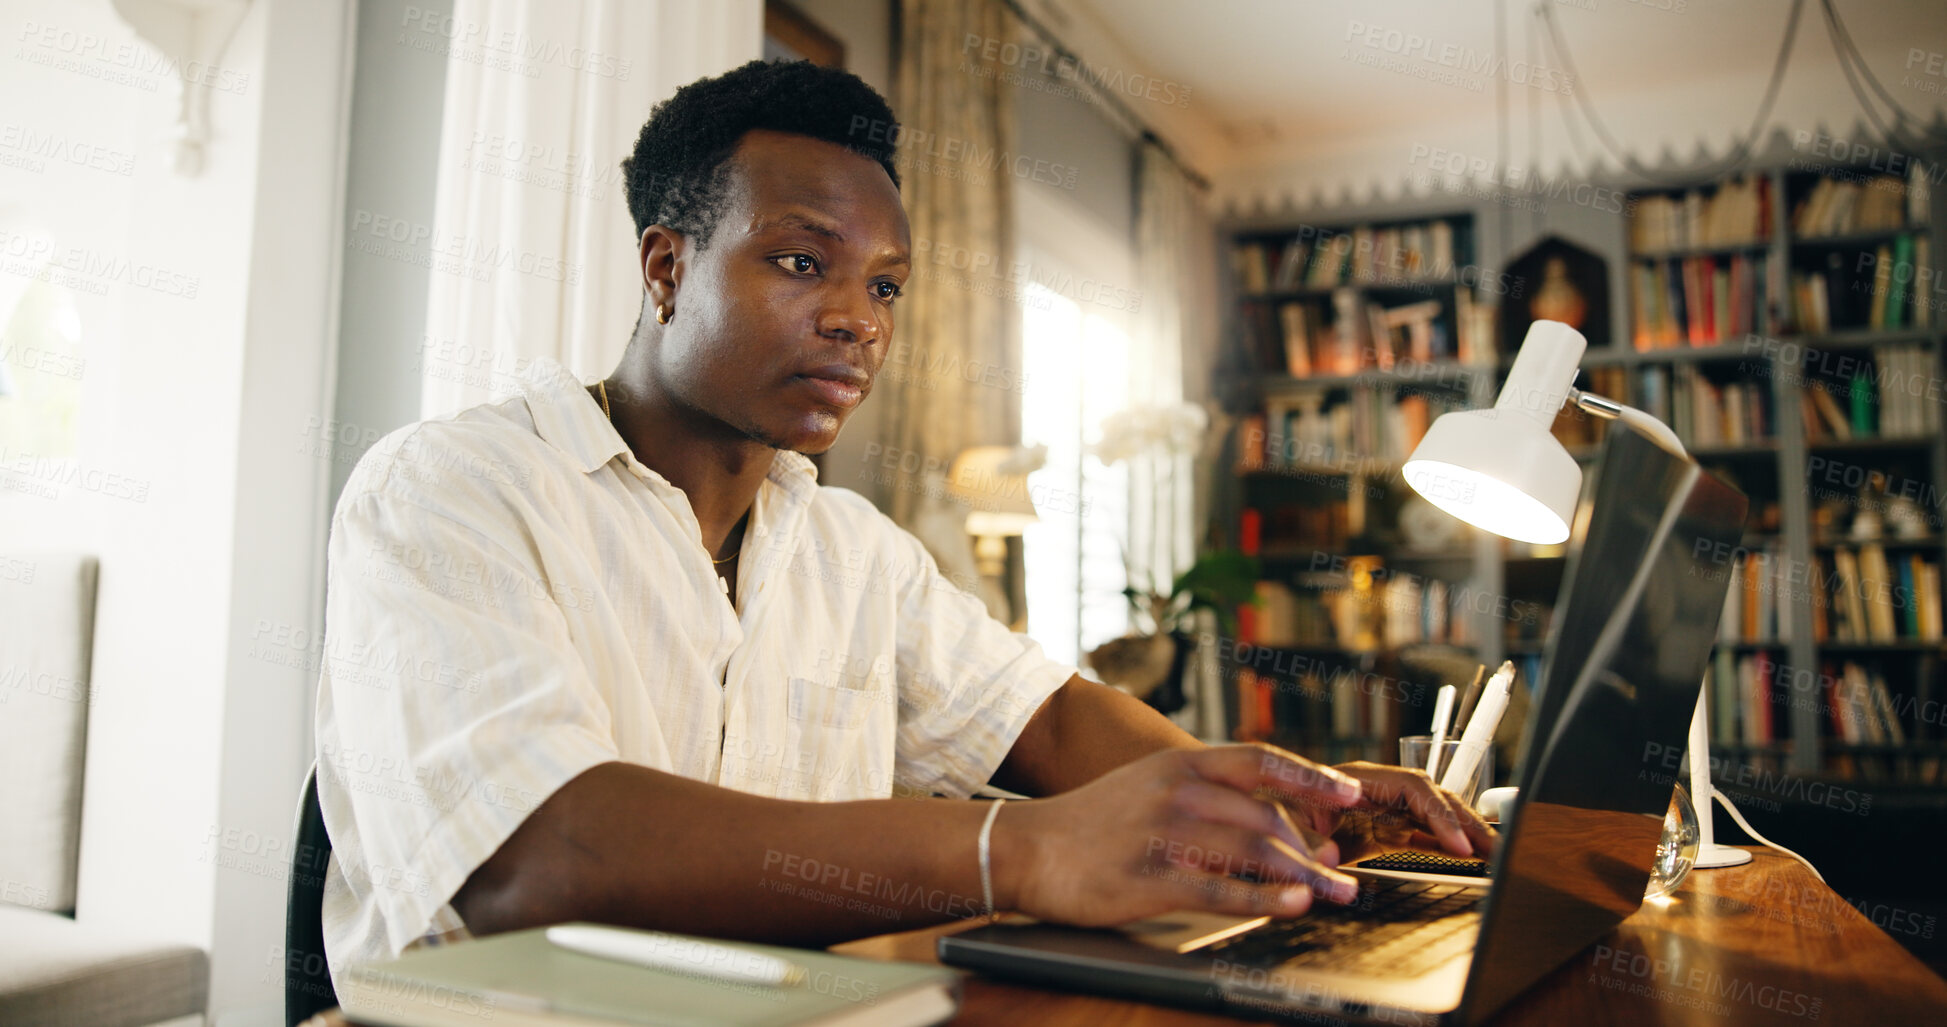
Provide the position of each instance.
(1760, 943)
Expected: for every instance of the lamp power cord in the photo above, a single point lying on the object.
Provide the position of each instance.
(1761, 839)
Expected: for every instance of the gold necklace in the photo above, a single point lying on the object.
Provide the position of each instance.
(602, 387)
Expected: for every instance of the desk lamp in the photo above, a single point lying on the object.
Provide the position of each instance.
(1501, 470)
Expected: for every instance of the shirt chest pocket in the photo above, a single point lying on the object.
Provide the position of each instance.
(841, 741)
(812, 706)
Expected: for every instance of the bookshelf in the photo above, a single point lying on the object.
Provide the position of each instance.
(1778, 320)
(1776, 325)
(1354, 336)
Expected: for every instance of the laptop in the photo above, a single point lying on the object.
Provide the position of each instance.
(1642, 591)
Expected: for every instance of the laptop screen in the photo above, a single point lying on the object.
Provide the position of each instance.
(1641, 595)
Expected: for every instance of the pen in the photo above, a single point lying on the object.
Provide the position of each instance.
(1468, 699)
(1480, 729)
(674, 952)
(1442, 719)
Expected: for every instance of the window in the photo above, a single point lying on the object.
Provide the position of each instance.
(1077, 374)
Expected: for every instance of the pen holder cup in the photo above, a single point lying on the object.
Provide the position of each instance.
(1415, 751)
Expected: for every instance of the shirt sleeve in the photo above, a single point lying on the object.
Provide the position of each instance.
(451, 701)
(967, 685)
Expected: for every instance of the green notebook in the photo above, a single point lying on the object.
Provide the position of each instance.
(519, 978)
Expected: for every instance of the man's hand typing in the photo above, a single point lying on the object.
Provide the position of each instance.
(1176, 830)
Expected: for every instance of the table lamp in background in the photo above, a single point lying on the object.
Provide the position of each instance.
(993, 482)
(1502, 471)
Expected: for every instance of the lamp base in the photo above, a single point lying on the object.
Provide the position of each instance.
(1720, 856)
(1710, 855)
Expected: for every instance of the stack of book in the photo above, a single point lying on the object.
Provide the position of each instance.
(1738, 213)
(1864, 595)
(1699, 301)
(1705, 412)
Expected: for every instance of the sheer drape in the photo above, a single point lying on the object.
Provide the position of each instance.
(957, 318)
(533, 250)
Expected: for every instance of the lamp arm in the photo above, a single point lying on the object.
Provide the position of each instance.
(1609, 409)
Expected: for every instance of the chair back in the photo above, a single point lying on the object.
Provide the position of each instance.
(307, 977)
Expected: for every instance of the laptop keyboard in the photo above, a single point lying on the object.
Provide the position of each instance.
(1395, 929)
(1427, 863)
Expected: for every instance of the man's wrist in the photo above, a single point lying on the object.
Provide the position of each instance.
(1010, 853)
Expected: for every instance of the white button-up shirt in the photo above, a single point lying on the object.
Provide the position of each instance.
(514, 598)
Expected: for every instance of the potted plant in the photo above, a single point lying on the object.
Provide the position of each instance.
(1149, 664)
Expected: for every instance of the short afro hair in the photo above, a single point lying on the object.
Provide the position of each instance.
(680, 171)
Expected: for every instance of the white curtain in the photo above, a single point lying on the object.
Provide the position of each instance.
(533, 247)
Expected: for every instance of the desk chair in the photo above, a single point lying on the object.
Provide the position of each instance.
(307, 977)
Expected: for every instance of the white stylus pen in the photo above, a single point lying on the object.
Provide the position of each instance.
(1480, 728)
(671, 952)
(1442, 720)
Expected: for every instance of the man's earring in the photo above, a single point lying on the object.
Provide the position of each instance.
(662, 313)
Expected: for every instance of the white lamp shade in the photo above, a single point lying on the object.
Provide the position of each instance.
(1500, 470)
(1498, 473)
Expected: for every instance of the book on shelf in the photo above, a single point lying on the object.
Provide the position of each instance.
(1330, 262)
(1861, 707)
(1291, 264)
(1878, 291)
(1754, 720)
(1252, 264)
(1413, 610)
(1296, 325)
(1360, 428)
(1889, 399)
(1286, 617)
(1473, 328)
(1752, 610)
(1704, 412)
(1744, 692)
(1869, 597)
(1347, 332)
(1823, 418)
(1737, 212)
(1360, 255)
(1874, 203)
(1698, 301)
(1412, 331)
